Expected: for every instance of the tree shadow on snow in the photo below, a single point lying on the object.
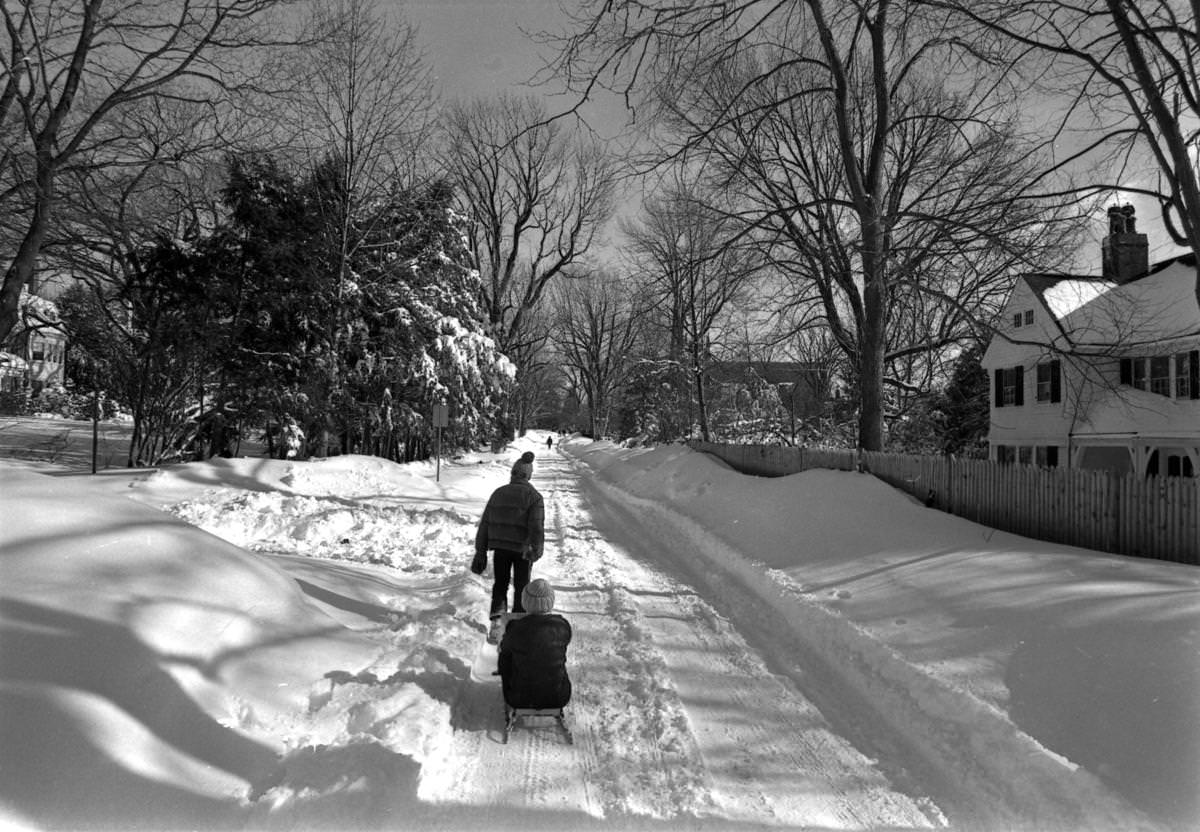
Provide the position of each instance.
(48, 656)
(371, 612)
(65, 779)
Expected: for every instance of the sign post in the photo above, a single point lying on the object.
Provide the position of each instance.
(95, 426)
(441, 418)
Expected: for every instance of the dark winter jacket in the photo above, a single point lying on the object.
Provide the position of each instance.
(533, 662)
(513, 520)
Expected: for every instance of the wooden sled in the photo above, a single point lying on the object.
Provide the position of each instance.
(511, 715)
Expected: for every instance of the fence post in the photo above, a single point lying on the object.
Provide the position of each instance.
(948, 466)
(1112, 509)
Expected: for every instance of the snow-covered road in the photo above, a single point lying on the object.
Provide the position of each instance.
(674, 715)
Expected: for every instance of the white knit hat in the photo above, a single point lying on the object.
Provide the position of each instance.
(538, 596)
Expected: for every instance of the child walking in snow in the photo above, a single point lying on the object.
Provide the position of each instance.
(512, 526)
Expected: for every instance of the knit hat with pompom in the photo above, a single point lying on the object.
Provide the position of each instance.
(538, 597)
(523, 468)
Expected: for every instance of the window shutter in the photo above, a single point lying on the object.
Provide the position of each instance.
(1020, 385)
(999, 395)
(1052, 456)
(1127, 372)
(1056, 380)
(1194, 374)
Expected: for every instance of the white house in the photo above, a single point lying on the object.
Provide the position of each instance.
(1101, 372)
(34, 354)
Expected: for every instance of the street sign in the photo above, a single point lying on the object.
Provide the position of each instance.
(441, 416)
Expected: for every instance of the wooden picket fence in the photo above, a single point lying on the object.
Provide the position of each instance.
(1154, 517)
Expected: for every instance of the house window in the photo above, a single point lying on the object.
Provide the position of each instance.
(1179, 466)
(37, 351)
(1006, 454)
(1017, 320)
(1028, 317)
(1187, 375)
(1154, 374)
(1010, 388)
(1049, 381)
(1160, 375)
(1025, 455)
(1139, 373)
(1009, 382)
(1046, 456)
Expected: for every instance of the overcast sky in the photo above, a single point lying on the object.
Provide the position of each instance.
(476, 46)
(480, 48)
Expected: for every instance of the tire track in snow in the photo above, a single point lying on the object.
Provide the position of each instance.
(647, 762)
(983, 771)
(535, 770)
(726, 737)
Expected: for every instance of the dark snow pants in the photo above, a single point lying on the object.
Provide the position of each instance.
(504, 564)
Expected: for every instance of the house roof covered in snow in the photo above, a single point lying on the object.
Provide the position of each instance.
(1157, 307)
(1062, 294)
(37, 309)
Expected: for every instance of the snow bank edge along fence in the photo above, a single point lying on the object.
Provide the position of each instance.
(1154, 517)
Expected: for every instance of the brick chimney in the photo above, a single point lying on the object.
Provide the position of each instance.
(1125, 254)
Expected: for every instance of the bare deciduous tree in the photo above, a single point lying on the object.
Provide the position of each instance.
(363, 92)
(1129, 74)
(67, 69)
(598, 323)
(874, 181)
(695, 269)
(536, 196)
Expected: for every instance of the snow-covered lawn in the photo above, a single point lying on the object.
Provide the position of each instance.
(254, 644)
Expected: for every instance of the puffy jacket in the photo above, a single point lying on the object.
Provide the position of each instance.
(533, 662)
(513, 520)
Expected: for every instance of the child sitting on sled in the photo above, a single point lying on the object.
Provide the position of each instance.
(533, 653)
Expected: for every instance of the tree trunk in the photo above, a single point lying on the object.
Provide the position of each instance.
(20, 270)
(872, 344)
(870, 415)
(701, 403)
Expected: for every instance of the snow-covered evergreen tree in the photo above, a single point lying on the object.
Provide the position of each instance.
(418, 338)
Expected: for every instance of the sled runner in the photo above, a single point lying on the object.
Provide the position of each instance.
(511, 715)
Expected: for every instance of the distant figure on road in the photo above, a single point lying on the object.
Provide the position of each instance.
(512, 526)
(549, 442)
